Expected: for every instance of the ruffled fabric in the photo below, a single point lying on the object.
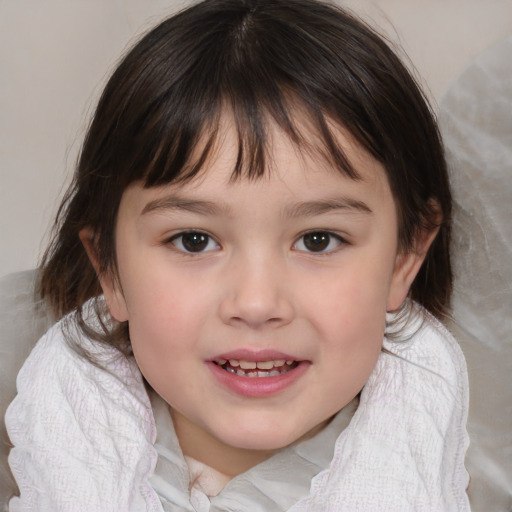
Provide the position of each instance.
(84, 434)
(405, 446)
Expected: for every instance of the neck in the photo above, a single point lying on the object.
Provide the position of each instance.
(204, 447)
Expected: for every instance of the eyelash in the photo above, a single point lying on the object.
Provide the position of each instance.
(204, 240)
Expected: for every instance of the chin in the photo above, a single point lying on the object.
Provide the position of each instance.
(274, 437)
(259, 444)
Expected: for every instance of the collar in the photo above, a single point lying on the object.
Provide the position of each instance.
(268, 486)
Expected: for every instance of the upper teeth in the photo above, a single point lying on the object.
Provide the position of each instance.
(252, 365)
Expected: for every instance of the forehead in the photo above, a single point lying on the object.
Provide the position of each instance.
(294, 174)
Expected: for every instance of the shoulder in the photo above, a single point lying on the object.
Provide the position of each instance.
(66, 359)
(408, 436)
(428, 350)
(72, 414)
(59, 366)
(427, 376)
(67, 371)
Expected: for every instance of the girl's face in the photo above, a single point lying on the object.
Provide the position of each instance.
(257, 308)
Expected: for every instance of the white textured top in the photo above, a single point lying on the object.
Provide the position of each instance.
(84, 435)
(184, 484)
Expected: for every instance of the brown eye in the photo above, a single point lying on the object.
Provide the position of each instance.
(318, 241)
(193, 242)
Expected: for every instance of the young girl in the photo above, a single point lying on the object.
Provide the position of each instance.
(249, 265)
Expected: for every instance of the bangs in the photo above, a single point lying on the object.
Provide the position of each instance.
(177, 96)
(185, 153)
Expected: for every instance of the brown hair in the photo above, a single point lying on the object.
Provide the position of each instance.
(261, 59)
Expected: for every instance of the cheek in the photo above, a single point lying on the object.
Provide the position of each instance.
(160, 324)
(162, 336)
(356, 332)
(349, 315)
(353, 297)
(157, 295)
(167, 313)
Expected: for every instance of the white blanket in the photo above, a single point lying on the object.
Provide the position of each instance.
(83, 435)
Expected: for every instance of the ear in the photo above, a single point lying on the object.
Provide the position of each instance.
(109, 284)
(407, 266)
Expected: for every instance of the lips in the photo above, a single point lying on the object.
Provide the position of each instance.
(257, 374)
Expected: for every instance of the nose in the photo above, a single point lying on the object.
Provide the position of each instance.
(257, 294)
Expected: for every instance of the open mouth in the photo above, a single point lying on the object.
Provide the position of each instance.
(252, 369)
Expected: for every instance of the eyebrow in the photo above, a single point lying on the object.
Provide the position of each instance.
(180, 203)
(308, 208)
(301, 209)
